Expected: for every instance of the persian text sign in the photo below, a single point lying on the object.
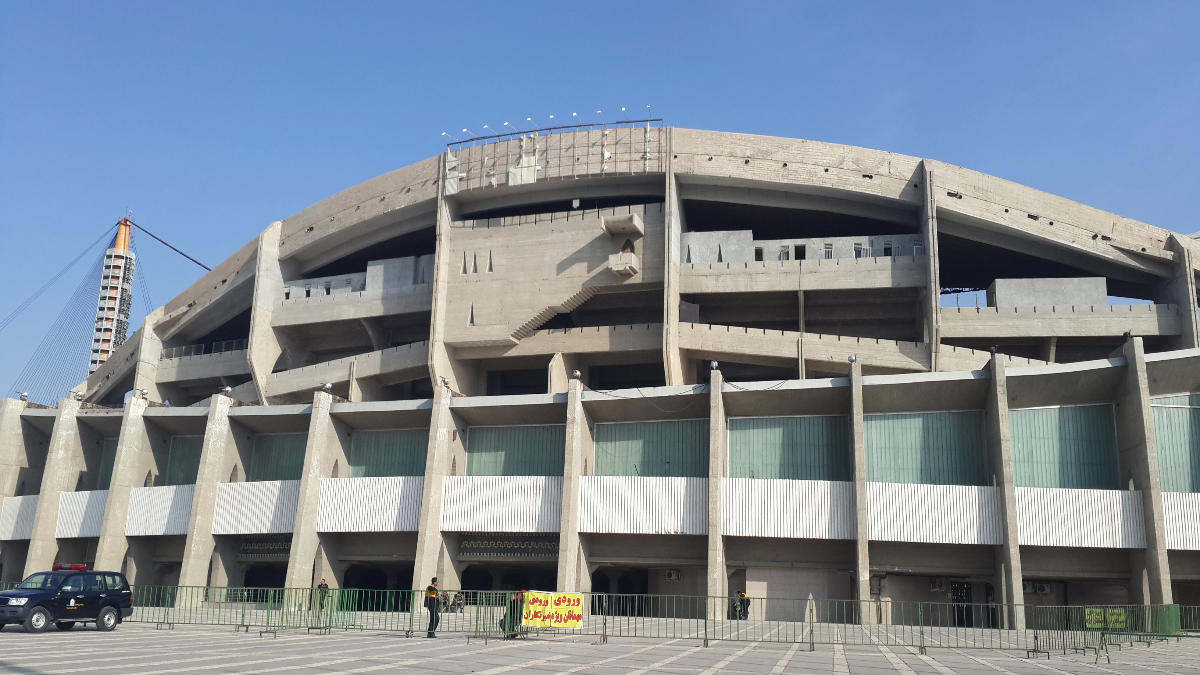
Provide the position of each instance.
(1104, 617)
(552, 610)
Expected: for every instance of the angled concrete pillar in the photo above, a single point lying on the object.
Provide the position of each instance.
(717, 584)
(217, 456)
(933, 284)
(558, 374)
(433, 558)
(1139, 459)
(149, 354)
(573, 574)
(1180, 290)
(265, 347)
(325, 449)
(134, 458)
(858, 446)
(64, 462)
(1008, 554)
(12, 445)
(673, 361)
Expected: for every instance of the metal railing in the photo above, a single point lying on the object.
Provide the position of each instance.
(491, 613)
(201, 349)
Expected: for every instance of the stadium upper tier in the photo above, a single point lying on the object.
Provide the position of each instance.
(636, 253)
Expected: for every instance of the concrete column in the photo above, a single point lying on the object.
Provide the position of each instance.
(217, 455)
(858, 446)
(573, 574)
(134, 458)
(1139, 460)
(327, 439)
(265, 346)
(558, 374)
(433, 559)
(673, 361)
(145, 374)
(12, 445)
(933, 286)
(1008, 554)
(1181, 290)
(64, 462)
(717, 584)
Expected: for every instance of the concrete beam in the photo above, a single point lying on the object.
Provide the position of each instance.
(218, 455)
(673, 360)
(717, 584)
(573, 574)
(858, 448)
(1139, 457)
(64, 462)
(134, 458)
(1008, 555)
(933, 289)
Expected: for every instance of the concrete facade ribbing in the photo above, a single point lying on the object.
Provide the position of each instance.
(523, 305)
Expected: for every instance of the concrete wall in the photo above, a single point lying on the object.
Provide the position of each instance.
(1080, 291)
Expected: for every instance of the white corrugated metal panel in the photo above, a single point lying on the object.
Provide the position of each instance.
(257, 507)
(938, 514)
(155, 511)
(780, 507)
(502, 503)
(1077, 517)
(378, 504)
(16, 517)
(80, 514)
(643, 505)
(1181, 511)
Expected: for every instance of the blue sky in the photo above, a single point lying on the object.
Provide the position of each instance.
(210, 120)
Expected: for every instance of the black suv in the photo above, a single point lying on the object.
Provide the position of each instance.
(66, 596)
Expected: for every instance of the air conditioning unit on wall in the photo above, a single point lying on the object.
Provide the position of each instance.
(674, 575)
(1041, 588)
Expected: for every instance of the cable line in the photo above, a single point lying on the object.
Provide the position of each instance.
(164, 243)
(4, 323)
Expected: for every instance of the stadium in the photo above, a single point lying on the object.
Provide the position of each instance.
(632, 358)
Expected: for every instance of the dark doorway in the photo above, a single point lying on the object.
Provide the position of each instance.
(264, 582)
(365, 588)
(960, 595)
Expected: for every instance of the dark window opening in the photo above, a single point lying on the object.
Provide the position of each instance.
(758, 256)
(627, 376)
(408, 245)
(562, 206)
(799, 251)
(770, 222)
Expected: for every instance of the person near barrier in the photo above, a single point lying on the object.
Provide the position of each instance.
(432, 603)
(510, 623)
(322, 595)
(739, 606)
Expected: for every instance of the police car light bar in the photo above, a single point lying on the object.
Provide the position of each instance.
(73, 566)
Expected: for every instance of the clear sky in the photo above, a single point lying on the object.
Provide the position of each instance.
(210, 119)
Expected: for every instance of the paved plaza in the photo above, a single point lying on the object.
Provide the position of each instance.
(136, 649)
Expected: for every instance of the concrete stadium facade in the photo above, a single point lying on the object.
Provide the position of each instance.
(645, 359)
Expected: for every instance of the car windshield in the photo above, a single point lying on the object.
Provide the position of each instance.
(42, 581)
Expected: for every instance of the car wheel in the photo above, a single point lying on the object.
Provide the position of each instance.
(107, 619)
(37, 621)
(64, 625)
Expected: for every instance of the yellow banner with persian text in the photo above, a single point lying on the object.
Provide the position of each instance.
(552, 610)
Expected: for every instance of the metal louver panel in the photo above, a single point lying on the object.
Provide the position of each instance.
(502, 503)
(159, 510)
(378, 504)
(1086, 518)
(1181, 511)
(643, 505)
(939, 514)
(797, 509)
(80, 514)
(16, 517)
(260, 507)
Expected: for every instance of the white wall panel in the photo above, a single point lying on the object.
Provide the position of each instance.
(258, 507)
(1076, 517)
(1181, 511)
(799, 509)
(939, 514)
(643, 505)
(156, 511)
(502, 503)
(16, 517)
(382, 504)
(80, 514)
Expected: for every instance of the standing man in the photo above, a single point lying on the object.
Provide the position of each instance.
(433, 604)
(322, 595)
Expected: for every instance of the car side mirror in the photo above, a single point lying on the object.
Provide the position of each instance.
(67, 588)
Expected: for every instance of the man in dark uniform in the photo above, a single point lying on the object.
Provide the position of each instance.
(433, 604)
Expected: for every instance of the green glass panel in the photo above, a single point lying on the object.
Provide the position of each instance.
(1176, 399)
(940, 448)
(108, 457)
(390, 452)
(516, 451)
(676, 448)
(799, 448)
(1067, 447)
(1177, 436)
(183, 459)
(277, 457)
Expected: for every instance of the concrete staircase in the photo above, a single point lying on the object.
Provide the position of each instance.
(537, 320)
